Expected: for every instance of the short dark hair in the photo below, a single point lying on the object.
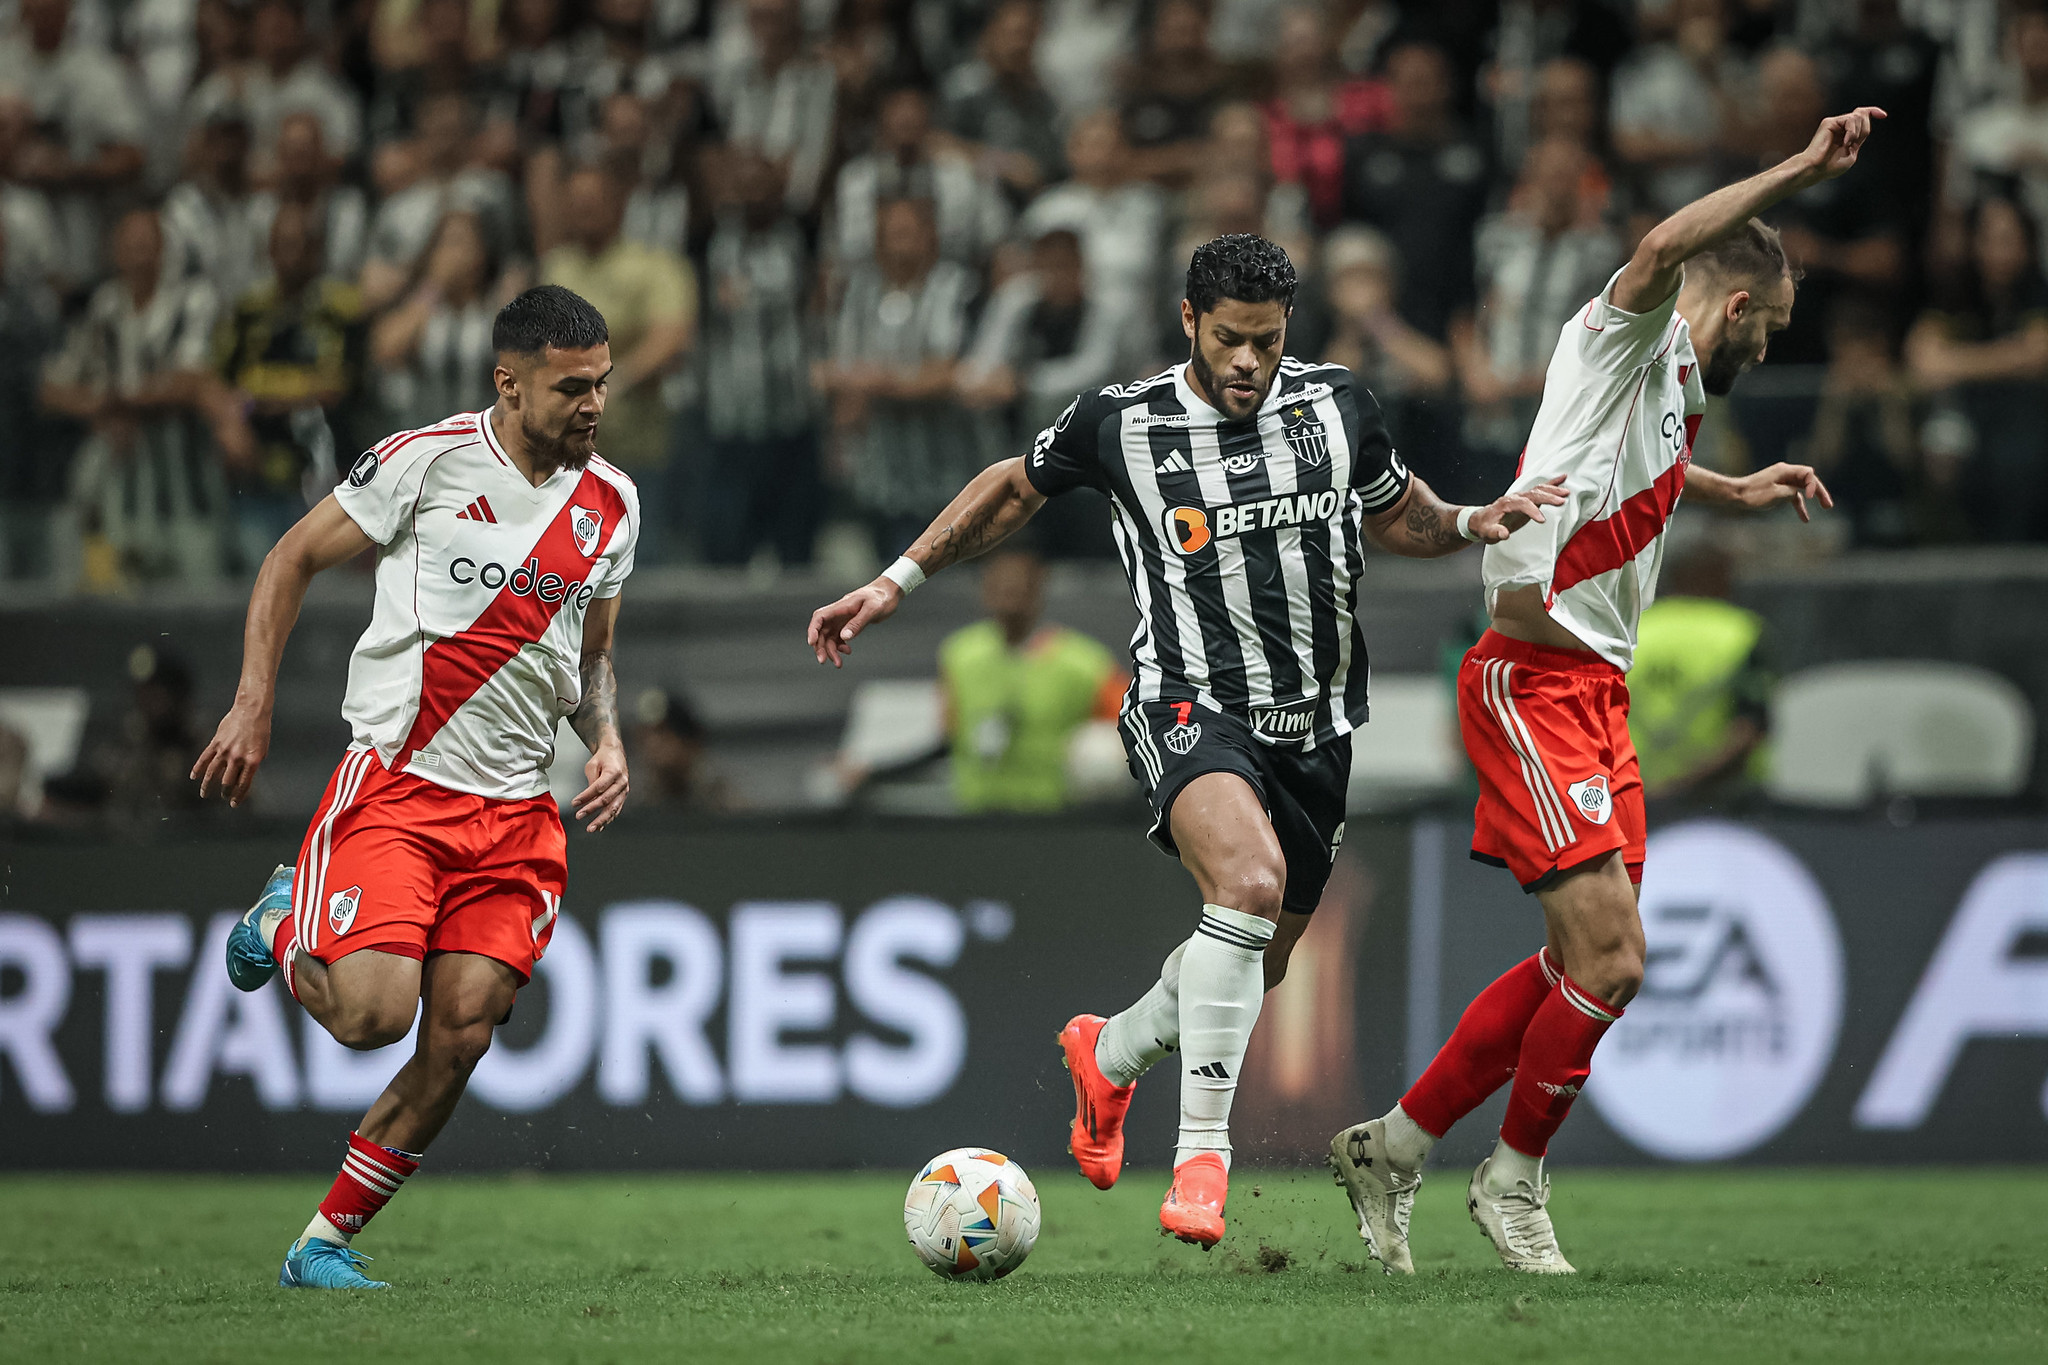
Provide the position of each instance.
(1241, 266)
(547, 315)
(1753, 252)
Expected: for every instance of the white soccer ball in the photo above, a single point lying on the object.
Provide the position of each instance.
(971, 1214)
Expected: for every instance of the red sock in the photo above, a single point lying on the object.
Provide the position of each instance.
(281, 945)
(370, 1175)
(1480, 1056)
(1557, 1056)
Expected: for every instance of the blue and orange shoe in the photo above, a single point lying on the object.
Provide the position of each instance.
(1096, 1138)
(250, 965)
(1193, 1210)
(315, 1264)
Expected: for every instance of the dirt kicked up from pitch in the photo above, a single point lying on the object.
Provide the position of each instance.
(1740, 1266)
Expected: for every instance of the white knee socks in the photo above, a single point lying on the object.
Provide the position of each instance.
(1132, 1042)
(1222, 982)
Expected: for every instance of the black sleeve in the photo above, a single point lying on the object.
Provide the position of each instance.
(1066, 456)
(1376, 471)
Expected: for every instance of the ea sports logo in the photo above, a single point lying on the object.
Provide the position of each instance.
(1187, 528)
(341, 909)
(1741, 1000)
(1589, 798)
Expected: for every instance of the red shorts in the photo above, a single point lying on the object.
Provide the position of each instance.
(1547, 730)
(395, 863)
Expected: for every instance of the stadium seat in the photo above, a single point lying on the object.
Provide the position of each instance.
(50, 720)
(1844, 735)
(1409, 752)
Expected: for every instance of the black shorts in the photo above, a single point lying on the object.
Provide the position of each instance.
(1171, 743)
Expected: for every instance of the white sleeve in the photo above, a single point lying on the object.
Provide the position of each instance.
(380, 492)
(1613, 340)
(619, 557)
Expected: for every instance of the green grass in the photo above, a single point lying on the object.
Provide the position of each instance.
(1756, 1267)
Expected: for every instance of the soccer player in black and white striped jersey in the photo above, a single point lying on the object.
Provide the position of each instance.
(1244, 487)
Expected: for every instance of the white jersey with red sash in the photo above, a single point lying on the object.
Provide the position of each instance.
(474, 647)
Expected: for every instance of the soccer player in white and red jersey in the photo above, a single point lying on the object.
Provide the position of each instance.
(430, 878)
(1542, 700)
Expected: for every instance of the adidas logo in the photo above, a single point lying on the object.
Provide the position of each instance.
(1172, 464)
(480, 510)
(1214, 1071)
(1563, 1092)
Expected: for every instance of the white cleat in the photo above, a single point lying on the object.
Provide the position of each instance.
(1382, 1194)
(1518, 1225)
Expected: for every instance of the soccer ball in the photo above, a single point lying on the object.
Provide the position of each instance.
(971, 1214)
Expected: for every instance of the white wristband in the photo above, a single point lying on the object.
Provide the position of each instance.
(905, 574)
(1465, 522)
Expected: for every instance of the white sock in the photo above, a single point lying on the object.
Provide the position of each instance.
(1131, 1043)
(1408, 1142)
(325, 1231)
(1508, 1166)
(1222, 983)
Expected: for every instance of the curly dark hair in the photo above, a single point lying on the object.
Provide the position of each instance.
(547, 315)
(1242, 266)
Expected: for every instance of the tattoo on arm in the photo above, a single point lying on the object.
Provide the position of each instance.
(596, 717)
(1433, 524)
(973, 531)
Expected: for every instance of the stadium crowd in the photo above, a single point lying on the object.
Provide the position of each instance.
(851, 250)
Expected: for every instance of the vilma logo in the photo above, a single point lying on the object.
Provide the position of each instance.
(1306, 435)
(1741, 1000)
(585, 524)
(341, 909)
(1589, 798)
(364, 469)
(1185, 733)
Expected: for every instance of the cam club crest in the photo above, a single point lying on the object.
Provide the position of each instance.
(585, 525)
(1306, 435)
(341, 909)
(1184, 737)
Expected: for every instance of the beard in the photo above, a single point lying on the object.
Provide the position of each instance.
(570, 450)
(1719, 371)
(1212, 388)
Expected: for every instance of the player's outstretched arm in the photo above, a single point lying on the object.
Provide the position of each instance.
(596, 721)
(1766, 488)
(324, 537)
(1424, 526)
(1652, 274)
(986, 512)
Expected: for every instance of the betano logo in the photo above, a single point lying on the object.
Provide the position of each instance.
(1190, 529)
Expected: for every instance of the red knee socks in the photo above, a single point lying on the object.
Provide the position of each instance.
(370, 1175)
(1556, 1057)
(1482, 1052)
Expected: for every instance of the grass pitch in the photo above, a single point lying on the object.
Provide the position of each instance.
(1756, 1267)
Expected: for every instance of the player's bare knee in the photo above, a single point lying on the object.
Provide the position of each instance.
(465, 1046)
(1616, 974)
(1254, 887)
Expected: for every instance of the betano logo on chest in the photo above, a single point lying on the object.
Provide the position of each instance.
(1192, 528)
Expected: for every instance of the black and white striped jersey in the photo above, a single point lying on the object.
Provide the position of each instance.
(1243, 540)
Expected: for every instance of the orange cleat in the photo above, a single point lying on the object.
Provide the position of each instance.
(1193, 1210)
(1096, 1139)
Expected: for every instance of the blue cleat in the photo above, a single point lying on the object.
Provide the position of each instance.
(250, 965)
(315, 1264)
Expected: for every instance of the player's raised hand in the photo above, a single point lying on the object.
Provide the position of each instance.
(228, 763)
(1793, 483)
(1505, 515)
(833, 628)
(1838, 140)
(601, 801)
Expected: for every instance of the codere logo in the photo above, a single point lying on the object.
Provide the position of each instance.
(1191, 528)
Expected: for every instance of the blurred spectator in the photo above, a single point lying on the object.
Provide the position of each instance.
(422, 48)
(898, 335)
(432, 351)
(1423, 183)
(1844, 233)
(997, 104)
(778, 101)
(1403, 367)
(533, 66)
(1121, 221)
(282, 76)
(32, 467)
(1079, 48)
(668, 756)
(2009, 137)
(289, 354)
(304, 174)
(1675, 104)
(1016, 691)
(1865, 439)
(179, 43)
(1170, 93)
(213, 225)
(1534, 39)
(89, 127)
(910, 162)
(134, 369)
(649, 300)
(613, 54)
(134, 780)
(873, 50)
(1986, 341)
(1884, 61)
(761, 449)
(36, 253)
(1539, 262)
(1566, 104)
(638, 156)
(1316, 109)
(1699, 694)
(440, 176)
